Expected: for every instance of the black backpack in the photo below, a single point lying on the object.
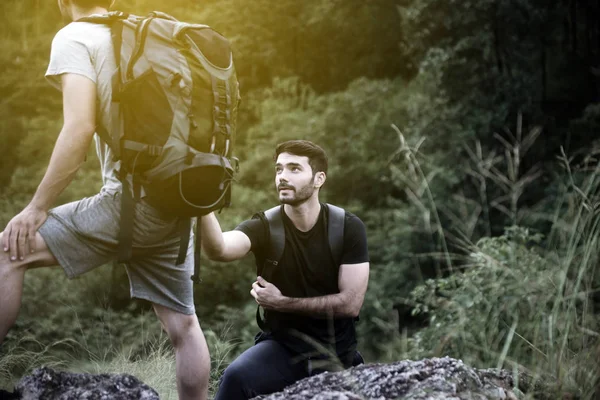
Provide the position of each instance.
(274, 221)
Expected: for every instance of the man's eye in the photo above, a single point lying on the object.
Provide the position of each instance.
(295, 169)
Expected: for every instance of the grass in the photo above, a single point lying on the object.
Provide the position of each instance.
(155, 367)
(519, 301)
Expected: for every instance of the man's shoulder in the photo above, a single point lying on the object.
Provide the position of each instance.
(354, 227)
(349, 218)
(254, 223)
(84, 32)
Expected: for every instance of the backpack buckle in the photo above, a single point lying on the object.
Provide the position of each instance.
(118, 15)
(155, 151)
(189, 158)
(236, 164)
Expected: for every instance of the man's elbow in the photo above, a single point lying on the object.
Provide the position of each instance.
(215, 254)
(80, 128)
(221, 257)
(353, 309)
(353, 312)
(348, 313)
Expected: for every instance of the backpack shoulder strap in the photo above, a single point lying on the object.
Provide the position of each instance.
(111, 135)
(107, 18)
(276, 246)
(276, 234)
(335, 231)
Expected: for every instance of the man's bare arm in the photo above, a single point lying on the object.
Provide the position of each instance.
(222, 246)
(79, 111)
(352, 282)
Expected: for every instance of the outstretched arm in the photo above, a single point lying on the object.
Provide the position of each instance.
(79, 110)
(352, 283)
(222, 246)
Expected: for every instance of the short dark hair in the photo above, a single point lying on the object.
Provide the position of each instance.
(87, 4)
(317, 158)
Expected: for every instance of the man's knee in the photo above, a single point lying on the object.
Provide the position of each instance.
(6, 264)
(248, 377)
(182, 330)
(41, 257)
(235, 376)
(179, 327)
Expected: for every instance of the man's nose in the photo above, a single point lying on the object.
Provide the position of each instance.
(282, 177)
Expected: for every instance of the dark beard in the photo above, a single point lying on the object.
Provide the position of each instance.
(300, 197)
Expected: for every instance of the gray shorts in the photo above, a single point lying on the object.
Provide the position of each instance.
(84, 235)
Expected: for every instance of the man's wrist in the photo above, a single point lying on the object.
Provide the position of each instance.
(37, 205)
(285, 303)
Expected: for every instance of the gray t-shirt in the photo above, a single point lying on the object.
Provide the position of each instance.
(86, 49)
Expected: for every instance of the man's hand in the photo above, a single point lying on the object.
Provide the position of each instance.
(267, 295)
(219, 246)
(352, 282)
(19, 235)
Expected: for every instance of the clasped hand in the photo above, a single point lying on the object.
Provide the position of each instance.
(266, 294)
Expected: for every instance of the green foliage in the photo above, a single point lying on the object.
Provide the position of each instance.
(508, 307)
(55, 308)
(411, 100)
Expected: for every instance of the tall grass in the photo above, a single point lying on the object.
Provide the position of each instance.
(150, 357)
(26, 353)
(522, 300)
(156, 367)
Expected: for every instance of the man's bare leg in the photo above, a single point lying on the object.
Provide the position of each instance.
(191, 352)
(12, 274)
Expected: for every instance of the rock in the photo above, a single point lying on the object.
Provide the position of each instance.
(428, 379)
(45, 383)
(4, 395)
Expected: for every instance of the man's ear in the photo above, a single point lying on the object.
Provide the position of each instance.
(320, 179)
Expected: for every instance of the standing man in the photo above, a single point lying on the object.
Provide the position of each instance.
(83, 235)
(311, 295)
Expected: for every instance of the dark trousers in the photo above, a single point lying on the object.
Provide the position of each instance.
(266, 367)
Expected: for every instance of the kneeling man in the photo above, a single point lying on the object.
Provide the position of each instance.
(313, 269)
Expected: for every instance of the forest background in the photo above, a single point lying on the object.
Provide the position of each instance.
(463, 133)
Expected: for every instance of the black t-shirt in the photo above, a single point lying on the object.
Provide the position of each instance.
(307, 269)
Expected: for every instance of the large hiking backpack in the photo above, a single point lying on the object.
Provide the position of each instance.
(173, 117)
(273, 219)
